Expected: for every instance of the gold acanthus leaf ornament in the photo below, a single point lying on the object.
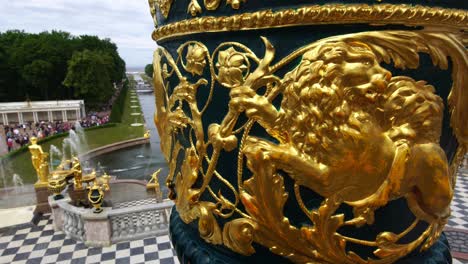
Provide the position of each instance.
(164, 6)
(194, 7)
(346, 129)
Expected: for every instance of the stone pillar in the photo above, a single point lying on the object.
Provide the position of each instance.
(5, 120)
(78, 114)
(57, 211)
(49, 116)
(83, 109)
(35, 117)
(64, 115)
(20, 117)
(97, 228)
(42, 200)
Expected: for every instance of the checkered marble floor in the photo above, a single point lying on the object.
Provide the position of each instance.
(459, 218)
(40, 244)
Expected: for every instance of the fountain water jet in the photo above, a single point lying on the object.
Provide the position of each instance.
(54, 152)
(3, 174)
(81, 134)
(17, 182)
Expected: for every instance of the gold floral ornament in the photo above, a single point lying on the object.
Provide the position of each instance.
(231, 66)
(196, 60)
(346, 129)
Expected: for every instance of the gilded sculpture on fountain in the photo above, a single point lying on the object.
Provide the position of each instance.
(153, 184)
(147, 134)
(77, 173)
(40, 162)
(57, 180)
(345, 128)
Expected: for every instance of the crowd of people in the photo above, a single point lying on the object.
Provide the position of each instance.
(18, 135)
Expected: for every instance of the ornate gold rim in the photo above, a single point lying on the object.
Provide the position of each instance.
(380, 14)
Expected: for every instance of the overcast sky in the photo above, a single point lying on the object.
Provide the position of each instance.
(127, 23)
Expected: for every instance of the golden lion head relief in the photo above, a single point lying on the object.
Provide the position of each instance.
(342, 122)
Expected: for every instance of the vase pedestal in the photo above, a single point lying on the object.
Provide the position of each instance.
(42, 202)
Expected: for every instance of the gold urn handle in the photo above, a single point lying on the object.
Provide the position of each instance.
(96, 196)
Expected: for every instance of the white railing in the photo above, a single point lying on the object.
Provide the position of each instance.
(129, 221)
(73, 224)
(136, 222)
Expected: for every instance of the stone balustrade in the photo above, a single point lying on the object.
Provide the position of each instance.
(140, 221)
(124, 222)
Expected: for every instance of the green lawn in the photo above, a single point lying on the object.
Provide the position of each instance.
(21, 163)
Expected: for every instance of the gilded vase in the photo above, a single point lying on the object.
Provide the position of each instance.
(311, 131)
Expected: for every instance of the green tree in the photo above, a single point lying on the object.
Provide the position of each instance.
(3, 73)
(149, 70)
(88, 74)
(35, 65)
(38, 74)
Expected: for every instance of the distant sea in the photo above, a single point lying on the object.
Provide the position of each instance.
(136, 69)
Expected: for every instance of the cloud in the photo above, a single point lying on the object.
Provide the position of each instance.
(126, 22)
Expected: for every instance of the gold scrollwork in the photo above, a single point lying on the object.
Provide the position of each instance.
(164, 6)
(194, 7)
(379, 14)
(346, 129)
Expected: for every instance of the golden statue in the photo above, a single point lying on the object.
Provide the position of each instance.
(77, 173)
(153, 183)
(147, 134)
(40, 162)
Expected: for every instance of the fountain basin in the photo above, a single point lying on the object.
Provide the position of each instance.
(113, 147)
(124, 221)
